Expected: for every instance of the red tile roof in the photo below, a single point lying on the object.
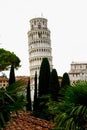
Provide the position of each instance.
(26, 121)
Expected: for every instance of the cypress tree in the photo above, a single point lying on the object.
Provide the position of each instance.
(35, 94)
(65, 80)
(43, 90)
(44, 77)
(54, 85)
(12, 75)
(28, 96)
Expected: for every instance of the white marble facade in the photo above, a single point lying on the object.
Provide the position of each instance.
(39, 44)
(78, 71)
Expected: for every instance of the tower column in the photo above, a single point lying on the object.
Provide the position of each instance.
(39, 44)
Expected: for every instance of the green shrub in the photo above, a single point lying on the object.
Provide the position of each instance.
(10, 100)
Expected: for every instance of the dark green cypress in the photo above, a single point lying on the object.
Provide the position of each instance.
(12, 75)
(44, 77)
(65, 80)
(28, 96)
(43, 91)
(35, 94)
(54, 85)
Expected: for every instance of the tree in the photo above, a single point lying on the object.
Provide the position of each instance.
(10, 101)
(65, 80)
(8, 58)
(72, 110)
(44, 77)
(35, 95)
(12, 75)
(11, 98)
(43, 90)
(54, 85)
(28, 106)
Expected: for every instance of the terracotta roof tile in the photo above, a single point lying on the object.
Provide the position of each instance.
(26, 121)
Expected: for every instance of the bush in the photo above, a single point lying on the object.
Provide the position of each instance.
(10, 100)
(72, 110)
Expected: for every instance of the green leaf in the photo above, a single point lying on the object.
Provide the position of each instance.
(9, 97)
(2, 118)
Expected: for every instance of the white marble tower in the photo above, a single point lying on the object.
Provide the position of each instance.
(39, 44)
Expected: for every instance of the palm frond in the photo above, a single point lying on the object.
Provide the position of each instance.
(9, 97)
(2, 120)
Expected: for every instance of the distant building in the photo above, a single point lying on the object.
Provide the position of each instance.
(3, 82)
(78, 71)
(23, 78)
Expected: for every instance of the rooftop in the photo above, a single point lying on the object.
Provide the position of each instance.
(26, 121)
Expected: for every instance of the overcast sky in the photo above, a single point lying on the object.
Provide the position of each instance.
(67, 21)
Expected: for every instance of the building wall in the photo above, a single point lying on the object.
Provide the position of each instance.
(78, 71)
(3, 82)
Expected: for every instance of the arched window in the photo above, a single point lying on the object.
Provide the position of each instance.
(32, 26)
(34, 22)
(39, 26)
(39, 34)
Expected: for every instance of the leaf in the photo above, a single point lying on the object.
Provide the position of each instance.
(9, 97)
(2, 118)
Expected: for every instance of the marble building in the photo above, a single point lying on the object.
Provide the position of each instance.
(39, 43)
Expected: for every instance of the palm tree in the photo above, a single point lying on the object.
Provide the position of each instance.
(72, 110)
(11, 100)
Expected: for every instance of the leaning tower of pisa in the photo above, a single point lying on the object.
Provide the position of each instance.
(39, 44)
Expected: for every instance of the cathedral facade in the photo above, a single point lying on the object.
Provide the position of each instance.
(78, 72)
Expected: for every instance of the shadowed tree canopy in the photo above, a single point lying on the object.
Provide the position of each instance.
(28, 97)
(8, 58)
(35, 93)
(44, 77)
(43, 89)
(65, 80)
(71, 112)
(12, 75)
(54, 85)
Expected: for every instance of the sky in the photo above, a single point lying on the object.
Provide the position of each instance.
(67, 21)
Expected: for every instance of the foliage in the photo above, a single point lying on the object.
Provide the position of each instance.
(44, 77)
(43, 90)
(72, 110)
(8, 58)
(54, 85)
(35, 95)
(10, 100)
(64, 84)
(12, 75)
(42, 107)
(65, 80)
(28, 105)
(52, 109)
